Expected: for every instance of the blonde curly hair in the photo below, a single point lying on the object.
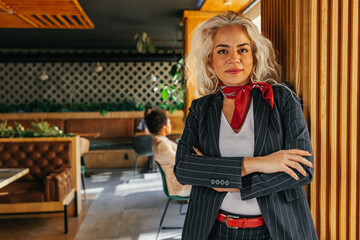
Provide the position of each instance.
(265, 69)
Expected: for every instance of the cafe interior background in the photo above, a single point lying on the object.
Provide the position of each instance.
(84, 56)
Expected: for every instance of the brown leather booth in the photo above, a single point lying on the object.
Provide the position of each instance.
(49, 180)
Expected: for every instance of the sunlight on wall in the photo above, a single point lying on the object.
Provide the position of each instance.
(255, 15)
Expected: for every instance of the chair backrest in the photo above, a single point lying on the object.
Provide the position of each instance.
(84, 146)
(166, 190)
(143, 145)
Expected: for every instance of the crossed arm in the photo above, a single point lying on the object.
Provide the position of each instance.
(256, 176)
(280, 161)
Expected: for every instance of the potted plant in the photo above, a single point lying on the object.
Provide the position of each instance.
(173, 95)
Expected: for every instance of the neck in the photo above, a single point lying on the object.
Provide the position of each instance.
(161, 133)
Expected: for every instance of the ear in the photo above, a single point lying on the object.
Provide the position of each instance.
(211, 64)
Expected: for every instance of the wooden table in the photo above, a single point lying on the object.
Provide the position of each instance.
(88, 134)
(8, 175)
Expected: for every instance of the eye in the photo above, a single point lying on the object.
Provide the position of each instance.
(243, 50)
(222, 51)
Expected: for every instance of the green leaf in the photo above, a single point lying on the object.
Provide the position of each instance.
(164, 94)
(104, 112)
(150, 46)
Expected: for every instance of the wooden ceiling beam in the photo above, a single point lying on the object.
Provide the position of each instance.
(32, 23)
(54, 20)
(45, 14)
(87, 19)
(73, 20)
(37, 21)
(62, 19)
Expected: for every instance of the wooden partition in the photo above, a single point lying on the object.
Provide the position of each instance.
(112, 125)
(318, 42)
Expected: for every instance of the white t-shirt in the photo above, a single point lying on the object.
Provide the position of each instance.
(235, 145)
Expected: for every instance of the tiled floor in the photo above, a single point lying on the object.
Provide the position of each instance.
(118, 207)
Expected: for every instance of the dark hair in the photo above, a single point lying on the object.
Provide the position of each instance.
(156, 120)
(147, 108)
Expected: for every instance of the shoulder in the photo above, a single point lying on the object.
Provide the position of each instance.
(284, 95)
(204, 101)
(283, 91)
(163, 145)
(161, 141)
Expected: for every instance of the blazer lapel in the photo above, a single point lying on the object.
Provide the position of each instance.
(261, 120)
(213, 116)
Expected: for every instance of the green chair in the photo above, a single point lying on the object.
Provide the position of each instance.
(84, 148)
(170, 197)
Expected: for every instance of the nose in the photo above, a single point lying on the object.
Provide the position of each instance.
(234, 57)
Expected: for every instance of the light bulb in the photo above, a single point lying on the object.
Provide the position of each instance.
(44, 76)
(97, 67)
(227, 2)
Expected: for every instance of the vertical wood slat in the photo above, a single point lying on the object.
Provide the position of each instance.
(344, 101)
(321, 59)
(333, 118)
(354, 122)
(313, 65)
(323, 110)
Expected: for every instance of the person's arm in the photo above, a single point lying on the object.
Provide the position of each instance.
(236, 172)
(140, 126)
(258, 181)
(281, 161)
(212, 172)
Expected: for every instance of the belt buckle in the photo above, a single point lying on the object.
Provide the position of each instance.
(230, 216)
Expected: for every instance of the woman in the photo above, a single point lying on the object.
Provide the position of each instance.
(164, 150)
(245, 148)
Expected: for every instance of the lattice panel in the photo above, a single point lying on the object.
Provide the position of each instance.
(78, 83)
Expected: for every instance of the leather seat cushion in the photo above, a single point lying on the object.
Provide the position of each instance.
(18, 192)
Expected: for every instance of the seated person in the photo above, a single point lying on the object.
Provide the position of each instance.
(164, 150)
(142, 125)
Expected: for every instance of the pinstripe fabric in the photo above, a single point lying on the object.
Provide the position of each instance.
(281, 198)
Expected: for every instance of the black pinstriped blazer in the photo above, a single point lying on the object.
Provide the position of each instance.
(281, 198)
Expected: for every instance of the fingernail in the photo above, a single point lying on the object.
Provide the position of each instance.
(310, 153)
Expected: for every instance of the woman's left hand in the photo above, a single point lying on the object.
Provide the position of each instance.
(198, 152)
(227, 189)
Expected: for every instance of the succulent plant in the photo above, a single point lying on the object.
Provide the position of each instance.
(42, 129)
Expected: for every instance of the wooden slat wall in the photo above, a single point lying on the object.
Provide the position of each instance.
(318, 42)
(191, 20)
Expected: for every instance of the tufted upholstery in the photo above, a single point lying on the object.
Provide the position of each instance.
(50, 177)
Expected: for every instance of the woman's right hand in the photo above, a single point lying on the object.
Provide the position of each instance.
(280, 161)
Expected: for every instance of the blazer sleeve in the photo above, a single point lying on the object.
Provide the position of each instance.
(190, 169)
(296, 136)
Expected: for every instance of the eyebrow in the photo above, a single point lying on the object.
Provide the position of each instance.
(224, 45)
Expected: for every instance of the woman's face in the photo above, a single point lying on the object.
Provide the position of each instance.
(232, 58)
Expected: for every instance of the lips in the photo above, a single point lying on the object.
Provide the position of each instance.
(234, 70)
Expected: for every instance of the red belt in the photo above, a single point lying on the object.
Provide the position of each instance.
(235, 222)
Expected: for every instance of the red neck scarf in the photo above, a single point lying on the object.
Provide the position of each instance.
(241, 94)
